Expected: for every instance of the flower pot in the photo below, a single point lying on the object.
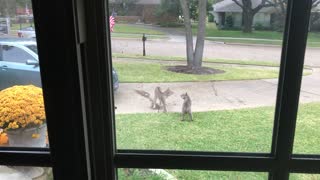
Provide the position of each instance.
(23, 137)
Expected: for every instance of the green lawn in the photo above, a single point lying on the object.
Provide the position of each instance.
(138, 175)
(193, 175)
(244, 130)
(212, 31)
(137, 36)
(176, 58)
(17, 26)
(132, 29)
(152, 72)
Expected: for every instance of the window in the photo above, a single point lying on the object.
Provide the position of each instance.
(20, 69)
(81, 96)
(133, 150)
(15, 54)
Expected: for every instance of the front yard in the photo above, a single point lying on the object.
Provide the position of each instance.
(156, 72)
(244, 130)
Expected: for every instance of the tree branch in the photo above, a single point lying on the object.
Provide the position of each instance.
(315, 3)
(238, 3)
(263, 4)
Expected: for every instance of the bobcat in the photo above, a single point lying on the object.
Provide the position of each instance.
(161, 96)
(186, 106)
(158, 95)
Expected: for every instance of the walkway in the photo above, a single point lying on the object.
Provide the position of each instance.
(219, 95)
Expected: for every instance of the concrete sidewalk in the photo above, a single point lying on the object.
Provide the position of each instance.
(208, 96)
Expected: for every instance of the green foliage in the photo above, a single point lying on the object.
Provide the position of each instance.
(169, 7)
(7, 8)
(229, 22)
(315, 22)
(123, 7)
(173, 7)
(210, 17)
(260, 27)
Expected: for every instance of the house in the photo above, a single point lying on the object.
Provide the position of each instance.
(136, 10)
(228, 8)
(265, 17)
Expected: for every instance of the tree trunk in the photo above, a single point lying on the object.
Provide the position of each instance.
(247, 16)
(189, 38)
(197, 62)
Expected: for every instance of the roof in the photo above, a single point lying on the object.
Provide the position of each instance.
(155, 2)
(231, 6)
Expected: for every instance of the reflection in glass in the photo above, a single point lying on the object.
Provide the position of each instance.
(163, 174)
(25, 173)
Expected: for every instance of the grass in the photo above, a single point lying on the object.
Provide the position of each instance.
(131, 29)
(139, 174)
(151, 72)
(176, 58)
(213, 31)
(23, 25)
(244, 130)
(137, 36)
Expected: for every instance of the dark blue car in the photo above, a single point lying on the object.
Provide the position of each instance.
(19, 63)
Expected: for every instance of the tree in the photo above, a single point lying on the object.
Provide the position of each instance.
(169, 7)
(194, 56)
(248, 12)
(7, 8)
(281, 11)
(173, 8)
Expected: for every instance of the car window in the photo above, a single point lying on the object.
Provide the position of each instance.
(33, 48)
(14, 54)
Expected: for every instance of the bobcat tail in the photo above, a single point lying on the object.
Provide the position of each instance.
(143, 93)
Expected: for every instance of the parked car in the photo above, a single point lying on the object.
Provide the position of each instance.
(19, 63)
(27, 32)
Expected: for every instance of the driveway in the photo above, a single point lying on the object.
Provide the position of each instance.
(208, 96)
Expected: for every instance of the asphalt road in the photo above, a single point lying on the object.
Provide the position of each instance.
(176, 47)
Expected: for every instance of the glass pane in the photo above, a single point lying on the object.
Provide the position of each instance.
(25, 173)
(164, 174)
(229, 88)
(22, 115)
(307, 135)
(296, 176)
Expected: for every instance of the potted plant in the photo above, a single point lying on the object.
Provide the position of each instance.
(22, 116)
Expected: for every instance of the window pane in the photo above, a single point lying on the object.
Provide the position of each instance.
(307, 135)
(296, 176)
(164, 174)
(25, 173)
(229, 88)
(22, 115)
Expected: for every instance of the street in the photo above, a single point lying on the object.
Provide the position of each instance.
(212, 50)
